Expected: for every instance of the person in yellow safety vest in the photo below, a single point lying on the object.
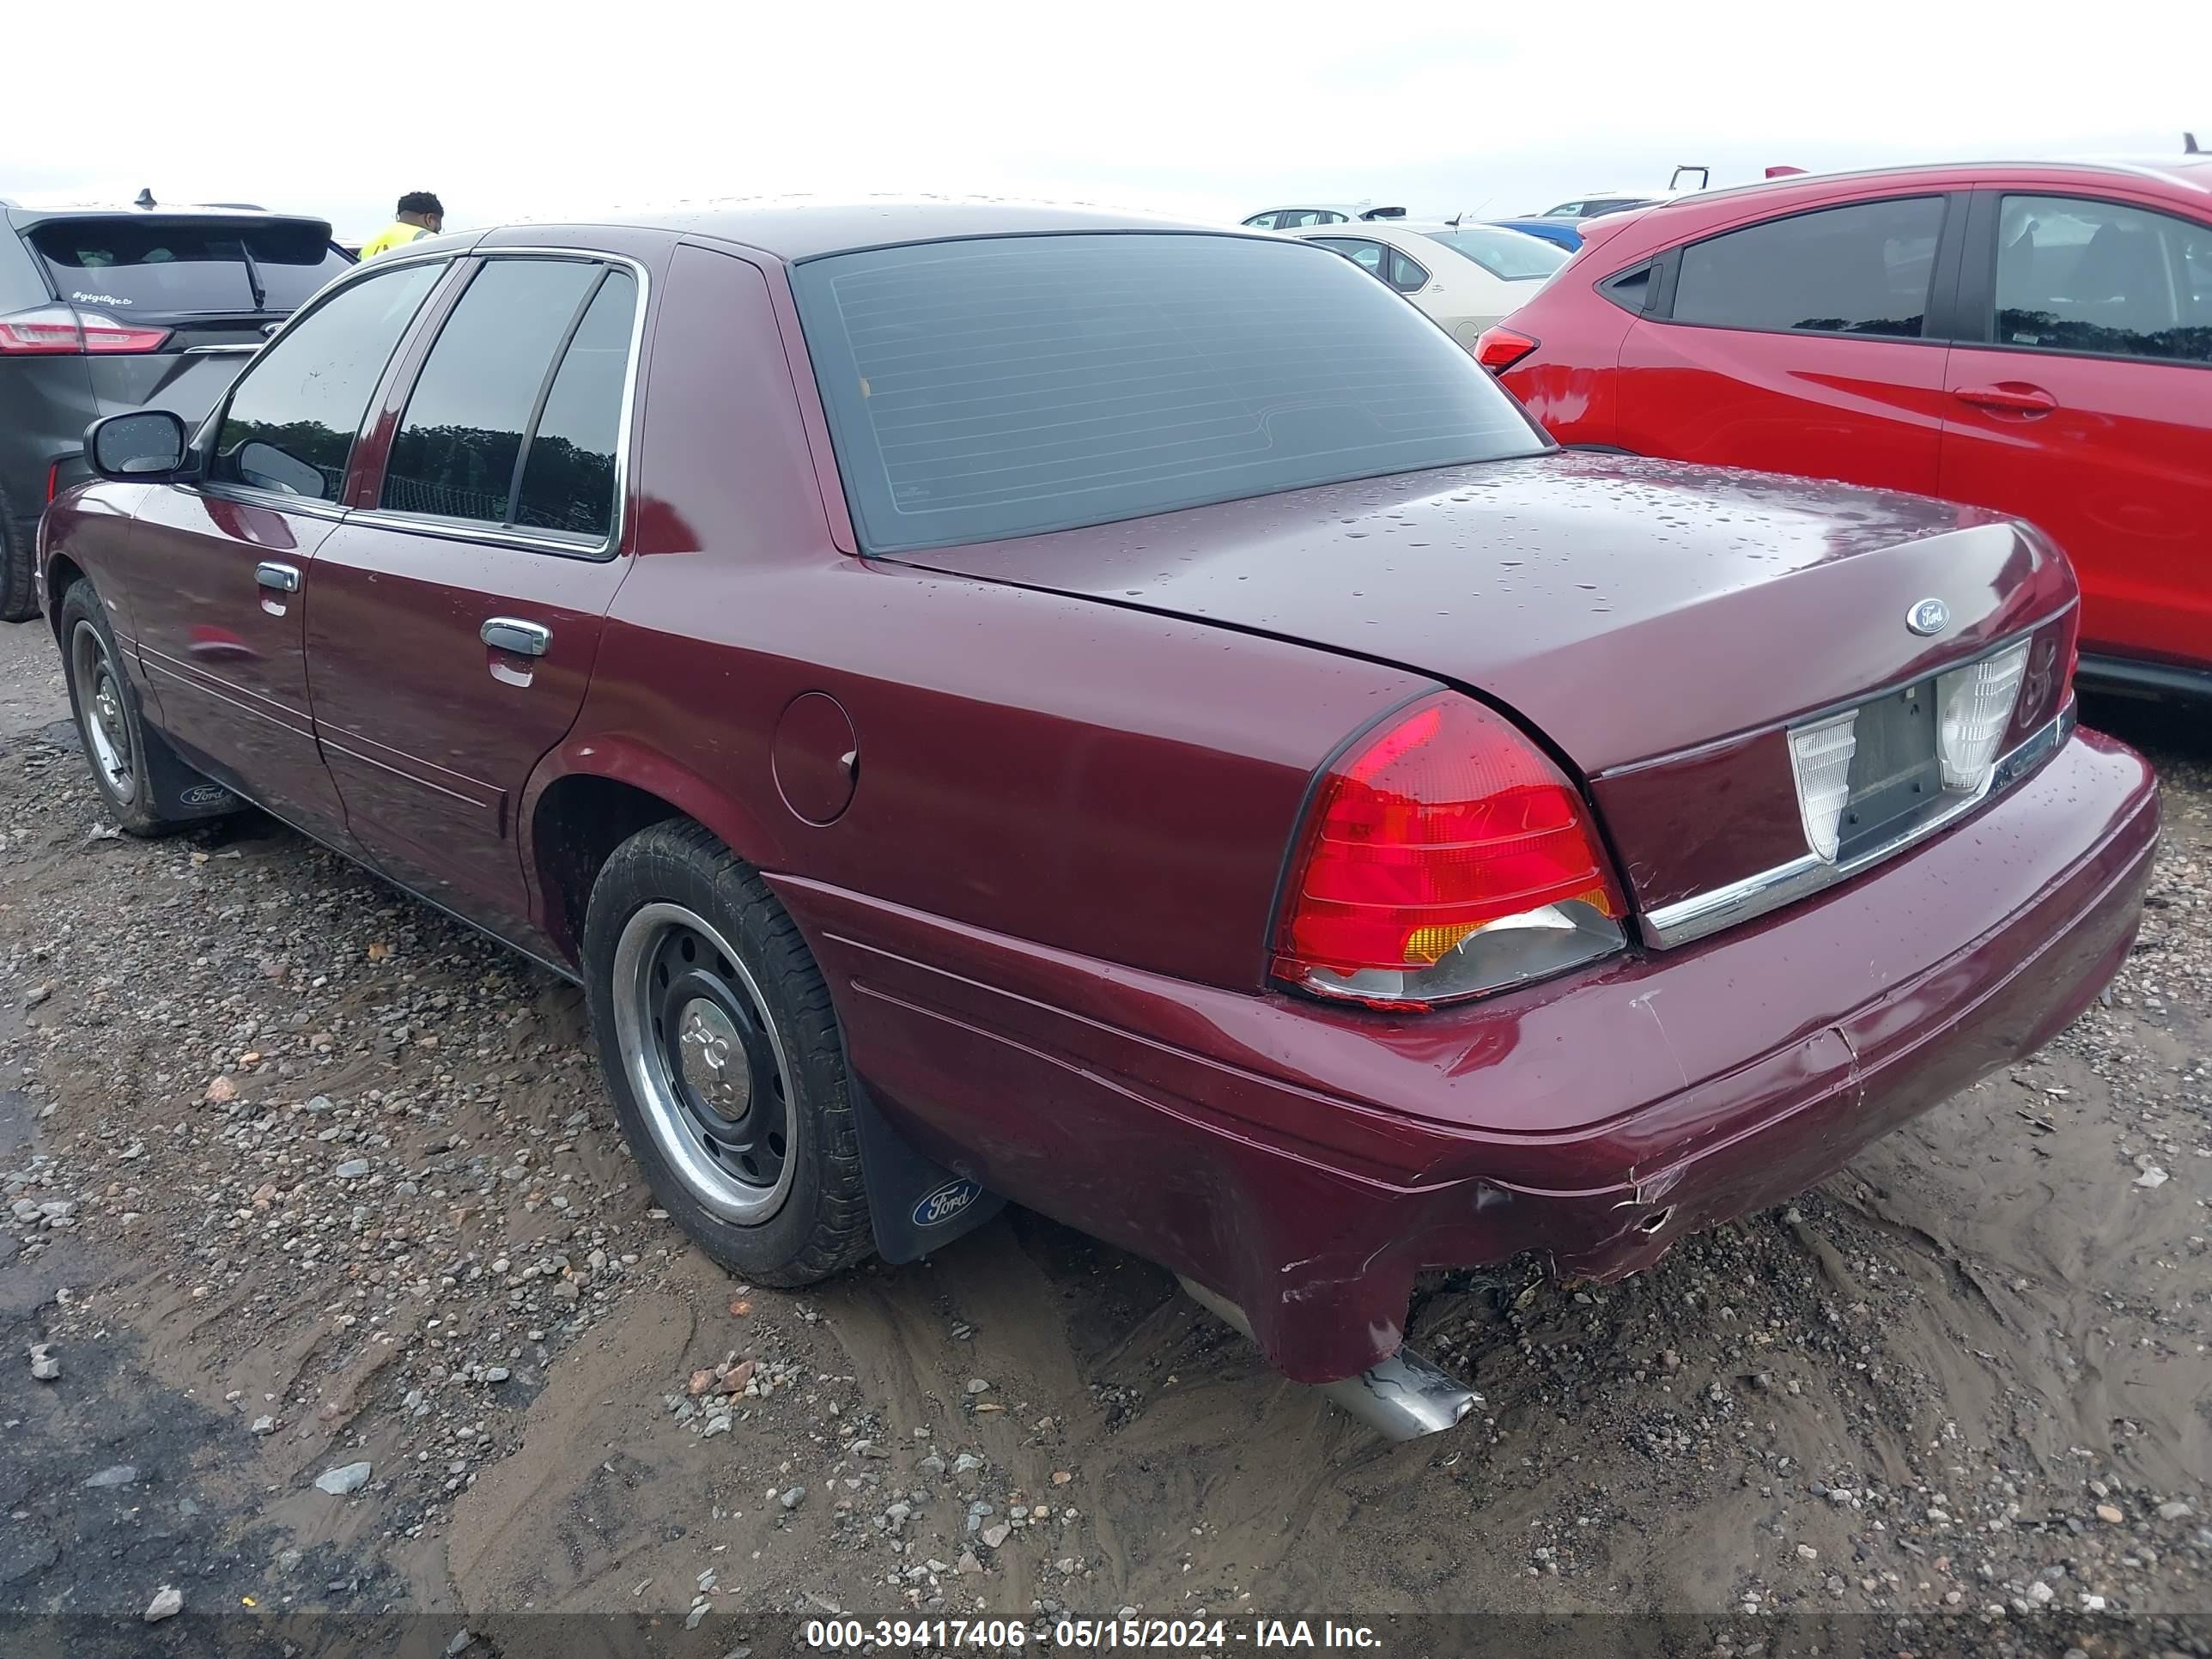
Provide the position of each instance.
(421, 214)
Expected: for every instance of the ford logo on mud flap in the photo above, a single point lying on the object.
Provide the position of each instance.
(950, 1199)
(204, 794)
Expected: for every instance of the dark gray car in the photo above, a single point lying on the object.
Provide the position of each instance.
(104, 309)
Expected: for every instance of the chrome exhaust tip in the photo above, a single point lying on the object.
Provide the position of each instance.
(1403, 1398)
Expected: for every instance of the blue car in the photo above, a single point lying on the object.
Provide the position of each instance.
(1562, 231)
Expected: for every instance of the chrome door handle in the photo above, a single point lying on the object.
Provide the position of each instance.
(284, 578)
(512, 634)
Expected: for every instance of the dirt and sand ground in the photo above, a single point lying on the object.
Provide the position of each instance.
(299, 1176)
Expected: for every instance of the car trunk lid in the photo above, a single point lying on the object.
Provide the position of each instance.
(1661, 625)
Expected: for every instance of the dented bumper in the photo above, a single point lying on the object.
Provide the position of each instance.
(1305, 1163)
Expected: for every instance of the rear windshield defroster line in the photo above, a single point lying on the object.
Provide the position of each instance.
(1004, 386)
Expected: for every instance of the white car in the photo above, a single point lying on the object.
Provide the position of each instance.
(1467, 276)
(1318, 213)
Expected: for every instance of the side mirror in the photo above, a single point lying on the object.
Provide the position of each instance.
(142, 446)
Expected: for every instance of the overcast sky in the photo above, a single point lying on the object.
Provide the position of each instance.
(1189, 108)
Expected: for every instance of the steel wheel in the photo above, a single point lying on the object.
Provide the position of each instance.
(107, 726)
(701, 1052)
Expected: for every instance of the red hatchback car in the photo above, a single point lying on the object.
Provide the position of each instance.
(998, 702)
(2035, 338)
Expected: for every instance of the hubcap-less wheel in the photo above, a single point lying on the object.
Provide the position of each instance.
(100, 696)
(703, 1054)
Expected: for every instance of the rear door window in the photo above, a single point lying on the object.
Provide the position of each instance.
(535, 354)
(569, 479)
(1009, 386)
(176, 268)
(290, 423)
(2102, 278)
(1859, 270)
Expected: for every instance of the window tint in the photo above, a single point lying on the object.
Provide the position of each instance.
(454, 454)
(1858, 270)
(288, 285)
(2097, 276)
(1630, 289)
(1261, 221)
(292, 418)
(1003, 387)
(145, 266)
(1404, 276)
(1368, 256)
(569, 476)
(1514, 255)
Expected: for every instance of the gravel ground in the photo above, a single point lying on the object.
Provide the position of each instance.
(330, 1288)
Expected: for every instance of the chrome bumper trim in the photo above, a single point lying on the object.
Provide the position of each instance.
(1694, 917)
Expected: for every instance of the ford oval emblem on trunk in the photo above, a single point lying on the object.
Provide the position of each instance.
(1927, 617)
(946, 1202)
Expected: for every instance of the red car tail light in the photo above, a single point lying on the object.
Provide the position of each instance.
(1499, 347)
(1445, 856)
(59, 330)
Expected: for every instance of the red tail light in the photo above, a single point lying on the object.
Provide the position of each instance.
(59, 330)
(1499, 348)
(53, 482)
(1445, 856)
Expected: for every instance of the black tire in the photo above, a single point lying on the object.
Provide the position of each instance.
(750, 963)
(19, 587)
(152, 792)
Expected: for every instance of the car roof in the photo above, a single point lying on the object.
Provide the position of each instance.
(793, 229)
(1381, 230)
(2187, 171)
(24, 214)
(1416, 240)
(1387, 228)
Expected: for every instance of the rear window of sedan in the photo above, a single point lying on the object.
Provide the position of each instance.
(1512, 255)
(1004, 386)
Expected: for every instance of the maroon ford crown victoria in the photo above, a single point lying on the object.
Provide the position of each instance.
(1002, 703)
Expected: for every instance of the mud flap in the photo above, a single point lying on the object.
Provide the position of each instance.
(917, 1205)
(176, 791)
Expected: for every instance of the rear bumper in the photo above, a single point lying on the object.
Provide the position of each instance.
(1307, 1162)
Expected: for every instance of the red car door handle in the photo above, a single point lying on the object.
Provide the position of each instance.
(513, 634)
(2012, 397)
